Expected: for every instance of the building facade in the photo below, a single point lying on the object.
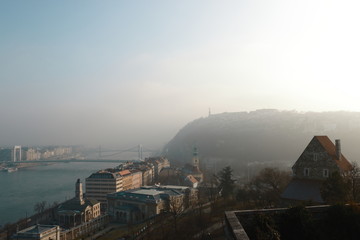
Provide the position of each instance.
(320, 159)
(136, 178)
(126, 179)
(139, 204)
(39, 232)
(78, 210)
(101, 183)
(159, 163)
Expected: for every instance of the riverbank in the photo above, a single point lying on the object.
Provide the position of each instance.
(34, 183)
(23, 165)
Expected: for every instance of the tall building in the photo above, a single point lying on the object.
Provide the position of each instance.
(32, 154)
(101, 183)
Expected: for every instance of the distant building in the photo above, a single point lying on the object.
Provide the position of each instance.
(139, 204)
(78, 210)
(170, 176)
(46, 154)
(159, 163)
(126, 179)
(147, 174)
(32, 154)
(194, 168)
(39, 232)
(101, 183)
(147, 170)
(191, 181)
(136, 178)
(320, 159)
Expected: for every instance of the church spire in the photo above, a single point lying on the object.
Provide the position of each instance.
(195, 159)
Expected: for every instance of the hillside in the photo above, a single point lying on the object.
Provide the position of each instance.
(269, 137)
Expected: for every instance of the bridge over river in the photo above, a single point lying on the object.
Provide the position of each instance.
(88, 156)
(75, 160)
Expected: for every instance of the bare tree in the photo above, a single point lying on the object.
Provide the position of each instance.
(176, 207)
(40, 207)
(267, 186)
(353, 177)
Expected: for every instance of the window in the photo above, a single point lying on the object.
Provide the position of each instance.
(325, 173)
(315, 156)
(306, 172)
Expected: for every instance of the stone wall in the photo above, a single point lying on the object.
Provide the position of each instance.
(235, 231)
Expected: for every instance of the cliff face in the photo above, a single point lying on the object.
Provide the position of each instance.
(262, 136)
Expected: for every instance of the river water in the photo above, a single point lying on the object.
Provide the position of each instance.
(21, 190)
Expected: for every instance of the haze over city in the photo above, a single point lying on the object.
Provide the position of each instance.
(121, 73)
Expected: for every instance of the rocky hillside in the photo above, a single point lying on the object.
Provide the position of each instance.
(269, 137)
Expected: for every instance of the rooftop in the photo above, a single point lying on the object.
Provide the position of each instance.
(37, 229)
(330, 148)
(147, 194)
(105, 175)
(74, 205)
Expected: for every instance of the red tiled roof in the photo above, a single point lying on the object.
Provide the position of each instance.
(191, 179)
(331, 149)
(124, 172)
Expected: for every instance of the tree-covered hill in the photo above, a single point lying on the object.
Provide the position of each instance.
(263, 136)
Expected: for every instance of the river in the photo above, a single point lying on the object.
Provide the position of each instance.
(21, 190)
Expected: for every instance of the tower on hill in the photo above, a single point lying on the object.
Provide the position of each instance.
(195, 159)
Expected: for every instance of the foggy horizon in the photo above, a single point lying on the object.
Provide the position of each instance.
(118, 73)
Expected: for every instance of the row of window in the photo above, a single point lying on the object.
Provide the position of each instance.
(103, 183)
(325, 172)
(104, 187)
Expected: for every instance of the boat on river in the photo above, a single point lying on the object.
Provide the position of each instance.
(9, 169)
(13, 169)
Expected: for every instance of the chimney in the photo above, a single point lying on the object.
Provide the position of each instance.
(338, 149)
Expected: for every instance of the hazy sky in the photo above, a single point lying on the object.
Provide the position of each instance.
(128, 72)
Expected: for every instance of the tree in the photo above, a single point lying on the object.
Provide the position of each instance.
(353, 178)
(226, 183)
(40, 207)
(336, 189)
(212, 191)
(176, 207)
(267, 186)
